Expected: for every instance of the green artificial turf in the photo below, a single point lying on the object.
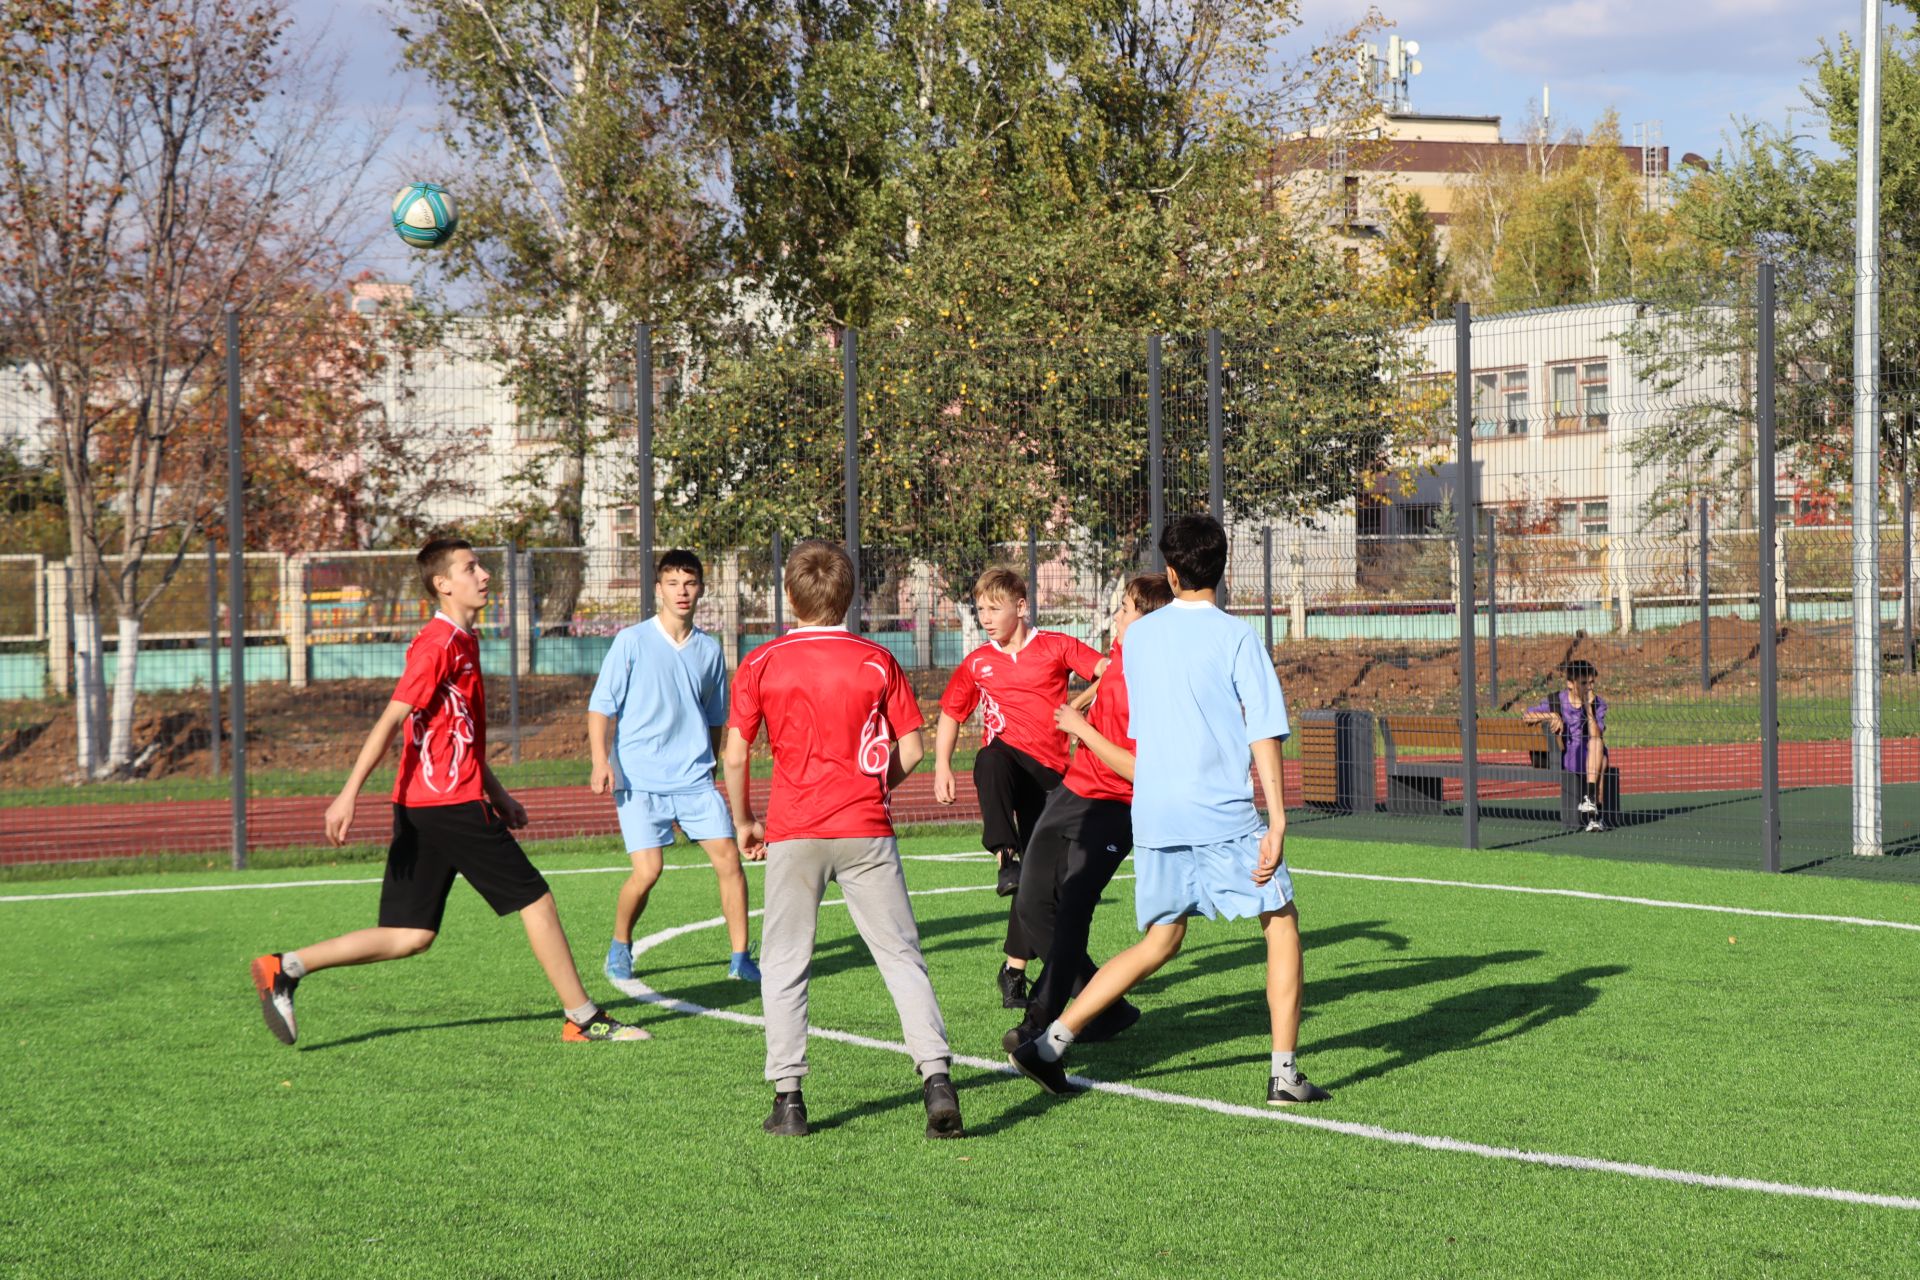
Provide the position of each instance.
(431, 1123)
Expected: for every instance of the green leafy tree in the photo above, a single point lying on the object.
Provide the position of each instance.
(1005, 198)
(586, 208)
(1414, 274)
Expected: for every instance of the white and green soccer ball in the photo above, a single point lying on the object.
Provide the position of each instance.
(423, 215)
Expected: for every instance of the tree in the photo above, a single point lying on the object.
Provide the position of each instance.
(1414, 275)
(1004, 198)
(164, 160)
(1773, 196)
(1567, 221)
(587, 206)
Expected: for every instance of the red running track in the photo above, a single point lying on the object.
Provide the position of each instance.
(72, 833)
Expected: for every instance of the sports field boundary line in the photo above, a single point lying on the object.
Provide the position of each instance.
(1347, 1128)
(1581, 895)
(1624, 899)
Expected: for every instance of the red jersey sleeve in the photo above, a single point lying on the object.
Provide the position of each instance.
(429, 660)
(962, 694)
(1081, 658)
(744, 713)
(903, 709)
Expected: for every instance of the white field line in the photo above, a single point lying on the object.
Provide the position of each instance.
(1612, 897)
(1372, 1133)
(1578, 894)
(332, 884)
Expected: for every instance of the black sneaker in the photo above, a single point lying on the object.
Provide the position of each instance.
(1009, 882)
(789, 1118)
(1013, 987)
(1017, 1036)
(1281, 1094)
(1050, 1076)
(943, 1107)
(1114, 1019)
(276, 996)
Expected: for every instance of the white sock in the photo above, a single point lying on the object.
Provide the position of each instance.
(584, 1014)
(291, 966)
(1283, 1066)
(1053, 1042)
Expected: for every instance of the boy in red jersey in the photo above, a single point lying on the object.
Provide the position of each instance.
(844, 730)
(450, 816)
(1017, 679)
(1083, 836)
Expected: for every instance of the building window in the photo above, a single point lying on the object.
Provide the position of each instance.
(626, 537)
(1420, 519)
(1565, 415)
(1500, 404)
(1513, 394)
(1486, 396)
(1593, 394)
(530, 427)
(620, 398)
(1350, 196)
(1593, 517)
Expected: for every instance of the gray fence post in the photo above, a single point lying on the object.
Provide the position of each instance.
(236, 593)
(1493, 616)
(1706, 637)
(513, 651)
(1266, 579)
(779, 588)
(643, 406)
(1769, 622)
(850, 427)
(1463, 534)
(1216, 453)
(1033, 578)
(213, 655)
(1156, 456)
(1906, 567)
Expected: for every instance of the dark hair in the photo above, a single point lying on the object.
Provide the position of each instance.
(1149, 591)
(820, 582)
(681, 558)
(1195, 547)
(433, 560)
(1581, 669)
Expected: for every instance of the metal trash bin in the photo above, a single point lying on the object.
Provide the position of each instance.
(1336, 761)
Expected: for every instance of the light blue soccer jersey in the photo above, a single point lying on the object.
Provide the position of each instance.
(666, 698)
(1201, 690)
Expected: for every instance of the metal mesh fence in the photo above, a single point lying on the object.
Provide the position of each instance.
(1612, 509)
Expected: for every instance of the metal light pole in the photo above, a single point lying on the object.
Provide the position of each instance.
(1867, 823)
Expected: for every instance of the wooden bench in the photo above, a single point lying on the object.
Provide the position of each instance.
(1414, 786)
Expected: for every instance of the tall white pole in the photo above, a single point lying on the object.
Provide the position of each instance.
(1866, 448)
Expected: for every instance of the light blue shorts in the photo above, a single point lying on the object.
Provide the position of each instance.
(1211, 880)
(647, 817)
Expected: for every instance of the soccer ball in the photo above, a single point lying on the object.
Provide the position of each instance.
(423, 215)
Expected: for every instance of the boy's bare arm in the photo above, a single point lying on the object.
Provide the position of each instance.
(908, 752)
(502, 801)
(945, 737)
(600, 744)
(738, 759)
(1111, 753)
(1273, 845)
(372, 751)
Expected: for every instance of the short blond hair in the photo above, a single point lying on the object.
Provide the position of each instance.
(820, 582)
(1000, 584)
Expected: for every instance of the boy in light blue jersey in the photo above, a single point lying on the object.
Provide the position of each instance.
(1206, 710)
(653, 724)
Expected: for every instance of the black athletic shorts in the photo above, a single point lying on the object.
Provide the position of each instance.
(433, 843)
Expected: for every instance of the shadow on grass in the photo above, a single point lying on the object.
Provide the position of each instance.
(414, 1028)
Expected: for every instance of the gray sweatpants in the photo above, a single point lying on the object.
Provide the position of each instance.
(868, 871)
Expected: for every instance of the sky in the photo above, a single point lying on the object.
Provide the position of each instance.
(1691, 65)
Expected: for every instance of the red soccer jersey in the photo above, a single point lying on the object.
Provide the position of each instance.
(1018, 691)
(1088, 776)
(446, 736)
(833, 705)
